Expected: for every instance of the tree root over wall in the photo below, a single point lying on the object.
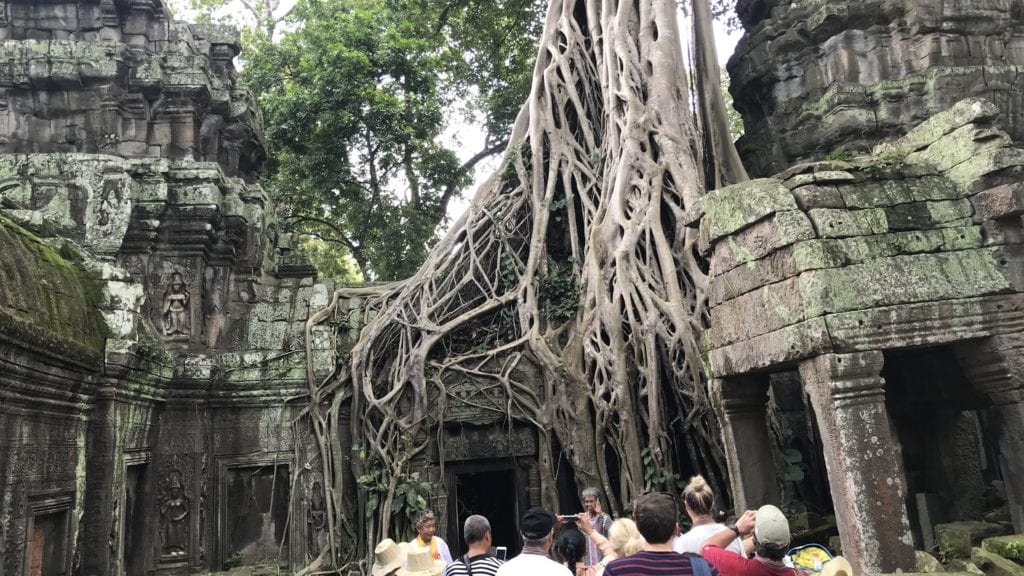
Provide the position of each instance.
(573, 258)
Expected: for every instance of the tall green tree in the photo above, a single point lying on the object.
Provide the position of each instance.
(356, 98)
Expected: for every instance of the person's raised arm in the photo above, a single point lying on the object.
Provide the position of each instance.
(744, 527)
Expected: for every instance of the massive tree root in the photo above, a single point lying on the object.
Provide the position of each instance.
(573, 258)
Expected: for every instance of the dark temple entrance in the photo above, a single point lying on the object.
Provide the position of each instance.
(492, 491)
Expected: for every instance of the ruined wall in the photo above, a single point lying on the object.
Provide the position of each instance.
(811, 76)
(152, 349)
(840, 269)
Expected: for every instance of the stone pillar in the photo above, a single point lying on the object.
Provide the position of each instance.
(864, 465)
(995, 366)
(748, 447)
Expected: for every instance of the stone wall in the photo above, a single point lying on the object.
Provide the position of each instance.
(841, 269)
(152, 346)
(813, 76)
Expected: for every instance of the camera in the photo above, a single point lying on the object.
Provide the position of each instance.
(568, 518)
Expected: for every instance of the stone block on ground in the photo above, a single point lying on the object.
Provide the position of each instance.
(956, 539)
(1010, 547)
(995, 565)
(959, 565)
(926, 563)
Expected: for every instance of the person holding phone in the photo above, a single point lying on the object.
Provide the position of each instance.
(600, 521)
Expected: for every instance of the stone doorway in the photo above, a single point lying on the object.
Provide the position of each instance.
(940, 421)
(133, 527)
(493, 491)
(254, 513)
(47, 545)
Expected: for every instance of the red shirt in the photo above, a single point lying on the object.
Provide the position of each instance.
(729, 563)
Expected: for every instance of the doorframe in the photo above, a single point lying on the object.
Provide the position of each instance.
(452, 471)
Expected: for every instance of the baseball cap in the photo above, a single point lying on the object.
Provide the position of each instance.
(771, 527)
(536, 523)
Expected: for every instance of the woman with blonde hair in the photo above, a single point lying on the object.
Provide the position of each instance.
(699, 502)
(623, 540)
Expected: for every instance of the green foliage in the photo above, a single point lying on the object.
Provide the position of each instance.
(657, 477)
(840, 153)
(410, 496)
(355, 100)
(735, 119)
(329, 262)
(559, 293)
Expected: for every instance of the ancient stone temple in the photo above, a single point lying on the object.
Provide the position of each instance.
(812, 76)
(880, 265)
(152, 343)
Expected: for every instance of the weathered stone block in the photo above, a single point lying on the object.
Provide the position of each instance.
(845, 223)
(777, 266)
(818, 196)
(1010, 547)
(926, 563)
(994, 565)
(964, 112)
(875, 194)
(959, 146)
(966, 174)
(756, 242)
(792, 343)
(734, 208)
(903, 279)
(999, 202)
(956, 539)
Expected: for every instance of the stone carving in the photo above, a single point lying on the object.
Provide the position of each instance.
(175, 308)
(316, 520)
(174, 508)
(111, 201)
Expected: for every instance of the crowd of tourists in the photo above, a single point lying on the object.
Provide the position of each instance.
(591, 544)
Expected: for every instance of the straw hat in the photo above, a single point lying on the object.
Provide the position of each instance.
(421, 563)
(389, 556)
(837, 566)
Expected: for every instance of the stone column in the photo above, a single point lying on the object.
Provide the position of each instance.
(748, 448)
(995, 366)
(864, 464)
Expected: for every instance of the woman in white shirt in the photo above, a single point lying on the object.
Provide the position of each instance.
(699, 502)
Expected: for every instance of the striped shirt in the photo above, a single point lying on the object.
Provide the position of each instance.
(482, 565)
(652, 564)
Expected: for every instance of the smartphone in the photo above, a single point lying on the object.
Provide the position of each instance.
(501, 553)
(568, 518)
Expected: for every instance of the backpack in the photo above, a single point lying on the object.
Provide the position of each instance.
(699, 566)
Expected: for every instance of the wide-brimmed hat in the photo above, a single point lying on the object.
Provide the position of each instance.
(420, 562)
(388, 557)
(771, 527)
(837, 566)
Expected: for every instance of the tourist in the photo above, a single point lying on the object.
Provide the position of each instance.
(599, 520)
(623, 539)
(699, 503)
(656, 518)
(420, 562)
(426, 527)
(571, 547)
(770, 530)
(388, 557)
(478, 560)
(537, 527)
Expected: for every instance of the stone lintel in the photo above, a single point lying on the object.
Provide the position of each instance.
(772, 350)
(864, 467)
(926, 323)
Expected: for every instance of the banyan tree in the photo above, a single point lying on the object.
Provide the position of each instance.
(574, 257)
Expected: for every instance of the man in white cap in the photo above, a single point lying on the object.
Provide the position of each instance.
(770, 530)
(538, 529)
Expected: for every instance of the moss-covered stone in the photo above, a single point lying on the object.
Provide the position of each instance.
(1010, 547)
(46, 301)
(995, 565)
(956, 539)
(730, 209)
